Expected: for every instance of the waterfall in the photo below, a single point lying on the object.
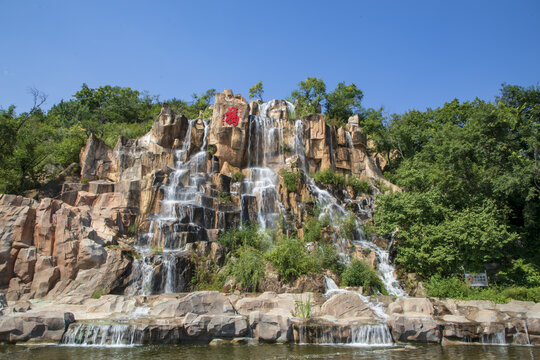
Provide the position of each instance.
(181, 211)
(102, 335)
(497, 338)
(265, 153)
(337, 213)
(371, 335)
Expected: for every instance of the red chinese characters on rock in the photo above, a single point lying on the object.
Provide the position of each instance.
(231, 116)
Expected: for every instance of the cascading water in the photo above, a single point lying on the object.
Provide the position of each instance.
(497, 338)
(265, 153)
(102, 335)
(183, 197)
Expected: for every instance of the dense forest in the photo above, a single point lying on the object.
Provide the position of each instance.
(469, 170)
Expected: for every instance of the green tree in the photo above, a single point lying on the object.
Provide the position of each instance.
(309, 96)
(256, 91)
(343, 102)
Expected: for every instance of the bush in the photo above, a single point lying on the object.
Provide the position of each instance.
(290, 178)
(248, 268)
(327, 258)
(328, 177)
(249, 236)
(358, 273)
(211, 150)
(521, 274)
(208, 279)
(457, 288)
(291, 259)
(314, 227)
(451, 287)
(237, 177)
(97, 293)
(359, 185)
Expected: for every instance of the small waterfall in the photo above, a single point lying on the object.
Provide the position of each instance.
(498, 338)
(371, 335)
(526, 332)
(103, 335)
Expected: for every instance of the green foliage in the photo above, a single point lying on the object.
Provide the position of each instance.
(84, 181)
(247, 236)
(291, 259)
(328, 177)
(309, 96)
(359, 185)
(343, 102)
(205, 278)
(256, 91)
(326, 257)
(156, 250)
(97, 293)
(348, 227)
(313, 228)
(248, 268)
(133, 230)
(358, 273)
(520, 273)
(224, 197)
(436, 239)
(211, 150)
(302, 308)
(291, 178)
(450, 287)
(457, 288)
(237, 177)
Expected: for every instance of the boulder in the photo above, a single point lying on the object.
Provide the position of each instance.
(271, 328)
(47, 327)
(414, 328)
(412, 306)
(346, 305)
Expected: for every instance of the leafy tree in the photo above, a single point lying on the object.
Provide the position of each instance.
(309, 96)
(343, 102)
(256, 91)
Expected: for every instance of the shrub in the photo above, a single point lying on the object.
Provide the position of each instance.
(451, 287)
(248, 268)
(358, 273)
(520, 273)
(208, 279)
(348, 227)
(291, 259)
(327, 258)
(359, 185)
(314, 227)
(249, 236)
(328, 177)
(132, 230)
(84, 181)
(237, 177)
(211, 150)
(290, 178)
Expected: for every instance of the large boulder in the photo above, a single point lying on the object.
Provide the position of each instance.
(346, 305)
(36, 326)
(168, 127)
(414, 328)
(271, 328)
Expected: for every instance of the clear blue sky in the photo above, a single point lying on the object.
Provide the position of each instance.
(402, 54)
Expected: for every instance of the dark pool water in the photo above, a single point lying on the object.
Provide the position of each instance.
(192, 352)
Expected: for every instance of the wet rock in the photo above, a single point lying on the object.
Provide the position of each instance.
(37, 326)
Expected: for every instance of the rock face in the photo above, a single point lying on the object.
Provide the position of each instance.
(197, 177)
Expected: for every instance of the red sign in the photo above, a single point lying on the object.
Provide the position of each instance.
(231, 116)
